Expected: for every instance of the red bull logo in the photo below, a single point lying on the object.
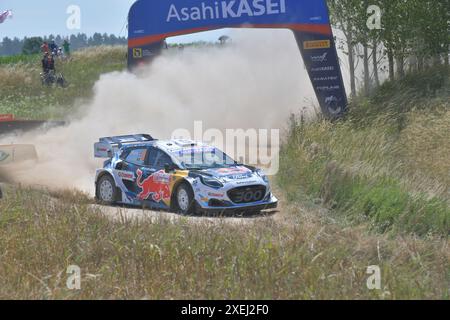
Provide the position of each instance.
(155, 186)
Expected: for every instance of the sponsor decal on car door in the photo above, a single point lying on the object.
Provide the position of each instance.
(155, 187)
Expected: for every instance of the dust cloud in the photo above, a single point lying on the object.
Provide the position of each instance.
(255, 82)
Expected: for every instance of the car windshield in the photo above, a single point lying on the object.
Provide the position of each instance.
(198, 158)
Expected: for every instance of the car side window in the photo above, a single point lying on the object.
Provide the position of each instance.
(152, 156)
(162, 159)
(137, 156)
(123, 155)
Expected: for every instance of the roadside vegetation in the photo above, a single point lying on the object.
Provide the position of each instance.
(20, 58)
(386, 165)
(307, 256)
(22, 94)
(372, 189)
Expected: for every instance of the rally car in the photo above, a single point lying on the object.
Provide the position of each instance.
(177, 175)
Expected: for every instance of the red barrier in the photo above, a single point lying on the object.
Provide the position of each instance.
(6, 117)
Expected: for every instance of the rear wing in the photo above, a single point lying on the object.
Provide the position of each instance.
(106, 147)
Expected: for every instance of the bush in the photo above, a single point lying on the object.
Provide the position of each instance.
(387, 169)
(416, 91)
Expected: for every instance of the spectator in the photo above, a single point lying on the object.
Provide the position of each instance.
(48, 63)
(53, 48)
(45, 63)
(66, 46)
(44, 47)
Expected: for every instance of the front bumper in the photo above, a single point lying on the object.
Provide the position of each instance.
(248, 208)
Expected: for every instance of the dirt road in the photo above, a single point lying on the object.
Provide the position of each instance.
(127, 213)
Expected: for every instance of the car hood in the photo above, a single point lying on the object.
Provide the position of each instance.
(230, 174)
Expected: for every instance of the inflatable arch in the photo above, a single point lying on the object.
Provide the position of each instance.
(150, 22)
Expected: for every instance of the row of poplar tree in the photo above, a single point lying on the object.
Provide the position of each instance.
(413, 35)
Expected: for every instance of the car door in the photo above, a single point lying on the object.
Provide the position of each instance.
(145, 185)
(133, 160)
(152, 181)
(162, 159)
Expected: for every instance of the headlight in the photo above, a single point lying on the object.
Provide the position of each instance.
(211, 182)
(262, 175)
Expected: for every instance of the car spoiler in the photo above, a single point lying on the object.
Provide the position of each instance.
(106, 147)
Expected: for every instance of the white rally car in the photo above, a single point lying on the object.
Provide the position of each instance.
(179, 175)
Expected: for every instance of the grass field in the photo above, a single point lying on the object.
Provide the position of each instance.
(372, 189)
(307, 255)
(27, 59)
(22, 94)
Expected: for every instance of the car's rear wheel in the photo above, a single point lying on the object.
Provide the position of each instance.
(106, 190)
(184, 198)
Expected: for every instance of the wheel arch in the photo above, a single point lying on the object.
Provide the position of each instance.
(101, 175)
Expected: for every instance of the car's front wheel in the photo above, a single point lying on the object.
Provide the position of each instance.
(184, 198)
(106, 190)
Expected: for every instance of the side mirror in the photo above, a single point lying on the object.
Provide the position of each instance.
(119, 165)
(169, 168)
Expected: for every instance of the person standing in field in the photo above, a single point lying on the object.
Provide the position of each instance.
(50, 63)
(53, 48)
(45, 63)
(44, 47)
(66, 46)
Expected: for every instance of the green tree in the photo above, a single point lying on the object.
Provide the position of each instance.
(344, 16)
(32, 45)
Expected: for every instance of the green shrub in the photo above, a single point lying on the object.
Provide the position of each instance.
(389, 171)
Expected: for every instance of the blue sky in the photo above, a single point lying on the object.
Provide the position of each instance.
(44, 17)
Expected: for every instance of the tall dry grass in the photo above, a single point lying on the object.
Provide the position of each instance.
(387, 165)
(305, 255)
(425, 147)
